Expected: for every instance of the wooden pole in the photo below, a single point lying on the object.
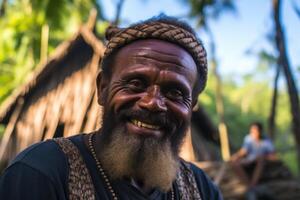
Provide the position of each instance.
(44, 42)
(187, 151)
(225, 150)
(10, 127)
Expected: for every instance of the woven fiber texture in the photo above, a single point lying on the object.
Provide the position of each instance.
(186, 183)
(80, 183)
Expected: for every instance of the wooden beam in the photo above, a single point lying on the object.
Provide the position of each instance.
(10, 127)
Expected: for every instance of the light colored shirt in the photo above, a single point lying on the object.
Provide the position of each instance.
(255, 149)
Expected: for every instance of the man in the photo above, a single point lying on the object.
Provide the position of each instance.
(152, 73)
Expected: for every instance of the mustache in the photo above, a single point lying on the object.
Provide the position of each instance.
(159, 119)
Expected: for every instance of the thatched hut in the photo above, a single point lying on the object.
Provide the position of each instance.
(58, 98)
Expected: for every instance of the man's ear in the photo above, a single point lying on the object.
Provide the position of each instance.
(195, 105)
(102, 88)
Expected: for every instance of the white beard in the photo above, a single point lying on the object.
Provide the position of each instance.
(147, 160)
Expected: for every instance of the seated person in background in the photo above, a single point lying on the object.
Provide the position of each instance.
(248, 162)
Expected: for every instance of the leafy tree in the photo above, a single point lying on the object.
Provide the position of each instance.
(22, 27)
(284, 63)
(247, 100)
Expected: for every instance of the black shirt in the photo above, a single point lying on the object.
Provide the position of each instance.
(41, 171)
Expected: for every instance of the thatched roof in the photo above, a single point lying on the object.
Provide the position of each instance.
(45, 69)
(57, 98)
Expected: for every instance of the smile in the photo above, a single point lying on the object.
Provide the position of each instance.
(144, 125)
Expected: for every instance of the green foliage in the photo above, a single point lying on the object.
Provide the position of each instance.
(248, 101)
(20, 34)
(2, 128)
(242, 103)
(289, 158)
(100, 28)
(205, 9)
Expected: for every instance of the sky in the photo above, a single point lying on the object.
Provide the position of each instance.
(235, 33)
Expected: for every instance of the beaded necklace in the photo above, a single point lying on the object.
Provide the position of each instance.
(102, 172)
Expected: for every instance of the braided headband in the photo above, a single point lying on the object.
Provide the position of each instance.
(162, 30)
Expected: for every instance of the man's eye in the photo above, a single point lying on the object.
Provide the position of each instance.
(136, 84)
(175, 94)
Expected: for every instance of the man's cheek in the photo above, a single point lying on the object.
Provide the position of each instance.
(181, 114)
(120, 101)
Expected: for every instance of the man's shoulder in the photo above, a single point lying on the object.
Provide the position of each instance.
(40, 154)
(200, 174)
(205, 185)
(38, 172)
(45, 157)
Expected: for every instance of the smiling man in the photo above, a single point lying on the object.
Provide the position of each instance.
(152, 73)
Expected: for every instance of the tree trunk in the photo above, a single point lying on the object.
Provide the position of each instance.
(118, 12)
(225, 150)
(206, 127)
(3, 8)
(271, 120)
(285, 64)
(296, 8)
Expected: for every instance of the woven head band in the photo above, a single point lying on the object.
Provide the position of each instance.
(163, 30)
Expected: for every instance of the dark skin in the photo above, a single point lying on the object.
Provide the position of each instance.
(151, 75)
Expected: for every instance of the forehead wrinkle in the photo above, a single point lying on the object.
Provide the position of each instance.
(173, 68)
(161, 55)
(179, 60)
(175, 64)
(156, 51)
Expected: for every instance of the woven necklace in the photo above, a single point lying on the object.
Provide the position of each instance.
(103, 174)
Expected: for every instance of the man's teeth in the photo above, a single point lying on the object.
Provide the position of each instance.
(144, 125)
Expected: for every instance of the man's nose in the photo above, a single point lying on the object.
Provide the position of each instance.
(153, 100)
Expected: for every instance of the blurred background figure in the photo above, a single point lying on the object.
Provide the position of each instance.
(249, 160)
